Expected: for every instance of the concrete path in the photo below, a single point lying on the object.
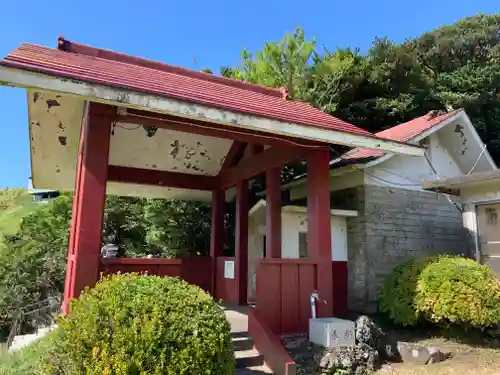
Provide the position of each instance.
(23, 341)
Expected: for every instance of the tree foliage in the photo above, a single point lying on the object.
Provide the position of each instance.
(453, 66)
(281, 64)
(158, 227)
(33, 262)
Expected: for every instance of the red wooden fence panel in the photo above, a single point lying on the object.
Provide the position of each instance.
(226, 289)
(198, 270)
(194, 270)
(284, 287)
(340, 287)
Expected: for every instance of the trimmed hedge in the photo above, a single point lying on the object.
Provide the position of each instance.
(132, 324)
(443, 290)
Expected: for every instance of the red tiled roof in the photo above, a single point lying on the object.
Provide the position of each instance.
(94, 65)
(404, 132)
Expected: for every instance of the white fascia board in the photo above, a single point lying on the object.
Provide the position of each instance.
(229, 119)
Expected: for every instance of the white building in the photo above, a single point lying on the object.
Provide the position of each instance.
(396, 218)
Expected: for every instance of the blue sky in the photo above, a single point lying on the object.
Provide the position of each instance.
(197, 34)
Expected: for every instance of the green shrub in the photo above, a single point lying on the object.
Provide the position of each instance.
(444, 290)
(459, 290)
(397, 298)
(132, 324)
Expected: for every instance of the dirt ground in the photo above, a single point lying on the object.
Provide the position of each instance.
(467, 358)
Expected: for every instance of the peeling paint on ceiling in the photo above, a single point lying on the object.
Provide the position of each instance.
(55, 122)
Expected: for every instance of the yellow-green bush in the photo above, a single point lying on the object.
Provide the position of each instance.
(144, 325)
(442, 290)
(459, 290)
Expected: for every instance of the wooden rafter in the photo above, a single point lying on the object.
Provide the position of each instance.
(161, 178)
(270, 158)
(234, 155)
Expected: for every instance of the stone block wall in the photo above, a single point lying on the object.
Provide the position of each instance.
(393, 225)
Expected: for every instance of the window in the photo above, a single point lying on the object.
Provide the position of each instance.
(491, 216)
(302, 245)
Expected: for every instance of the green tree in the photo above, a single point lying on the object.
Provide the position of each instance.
(464, 62)
(453, 66)
(284, 64)
(177, 227)
(33, 262)
(32, 266)
(124, 217)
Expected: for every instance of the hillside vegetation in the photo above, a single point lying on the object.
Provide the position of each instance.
(14, 205)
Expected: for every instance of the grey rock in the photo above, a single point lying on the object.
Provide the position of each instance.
(373, 346)
(420, 354)
(359, 359)
(367, 332)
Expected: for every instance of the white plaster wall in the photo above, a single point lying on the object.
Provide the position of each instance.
(441, 158)
(484, 193)
(255, 248)
(399, 171)
(344, 181)
(461, 140)
(470, 224)
(292, 223)
(409, 172)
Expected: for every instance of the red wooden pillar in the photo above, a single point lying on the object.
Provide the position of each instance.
(273, 213)
(217, 235)
(319, 227)
(69, 261)
(88, 207)
(242, 240)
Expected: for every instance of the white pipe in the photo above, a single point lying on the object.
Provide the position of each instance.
(314, 299)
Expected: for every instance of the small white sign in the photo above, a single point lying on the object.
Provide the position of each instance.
(229, 269)
(332, 332)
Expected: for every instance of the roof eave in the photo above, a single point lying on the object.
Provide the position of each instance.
(139, 100)
(455, 184)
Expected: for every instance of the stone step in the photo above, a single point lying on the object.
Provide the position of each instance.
(258, 370)
(248, 358)
(239, 334)
(242, 343)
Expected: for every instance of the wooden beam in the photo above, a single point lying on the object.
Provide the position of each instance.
(209, 129)
(271, 158)
(241, 238)
(319, 245)
(234, 155)
(256, 148)
(152, 177)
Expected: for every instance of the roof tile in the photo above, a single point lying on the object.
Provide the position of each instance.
(94, 65)
(404, 132)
